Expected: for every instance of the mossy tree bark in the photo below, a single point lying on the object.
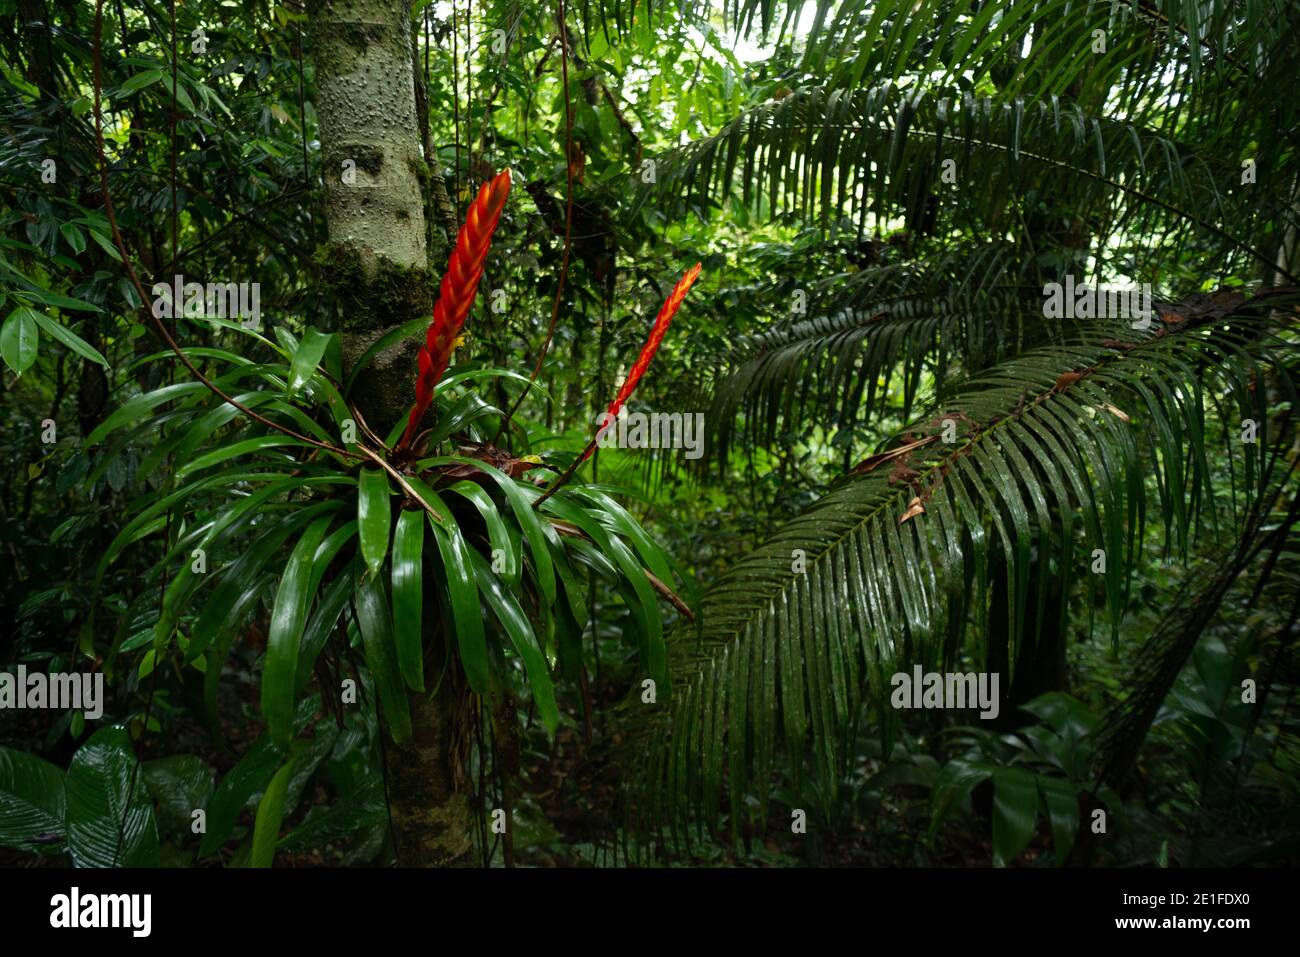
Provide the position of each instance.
(377, 271)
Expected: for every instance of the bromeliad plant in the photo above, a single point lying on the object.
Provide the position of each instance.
(364, 542)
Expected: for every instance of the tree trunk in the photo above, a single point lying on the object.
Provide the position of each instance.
(376, 267)
(376, 261)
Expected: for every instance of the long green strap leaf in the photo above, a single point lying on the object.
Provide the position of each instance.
(322, 622)
(270, 812)
(462, 590)
(521, 503)
(381, 655)
(288, 616)
(408, 596)
(242, 583)
(374, 517)
(505, 558)
(306, 358)
(516, 626)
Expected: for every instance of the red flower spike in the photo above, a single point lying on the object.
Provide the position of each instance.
(662, 321)
(456, 294)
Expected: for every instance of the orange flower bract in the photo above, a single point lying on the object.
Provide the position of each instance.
(456, 295)
(662, 321)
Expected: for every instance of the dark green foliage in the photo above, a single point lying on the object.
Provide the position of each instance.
(908, 461)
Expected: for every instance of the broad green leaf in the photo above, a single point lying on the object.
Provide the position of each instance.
(225, 524)
(74, 237)
(328, 549)
(139, 81)
(305, 359)
(362, 810)
(1070, 718)
(308, 755)
(180, 784)
(18, 339)
(70, 339)
(645, 608)
(573, 588)
(1015, 813)
(33, 805)
(1062, 803)
(616, 518)
(182, 97)
(105, 243)
(242, 583)
(494, 372)
(110, 816)
(133, 409)
(956, 781)
(59, 301)
(374, 517)
(468, 409)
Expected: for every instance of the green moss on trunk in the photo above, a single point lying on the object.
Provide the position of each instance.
(372, 292)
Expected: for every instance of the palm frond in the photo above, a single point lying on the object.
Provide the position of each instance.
(873, 575)
(880, 155)
(900, 320)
